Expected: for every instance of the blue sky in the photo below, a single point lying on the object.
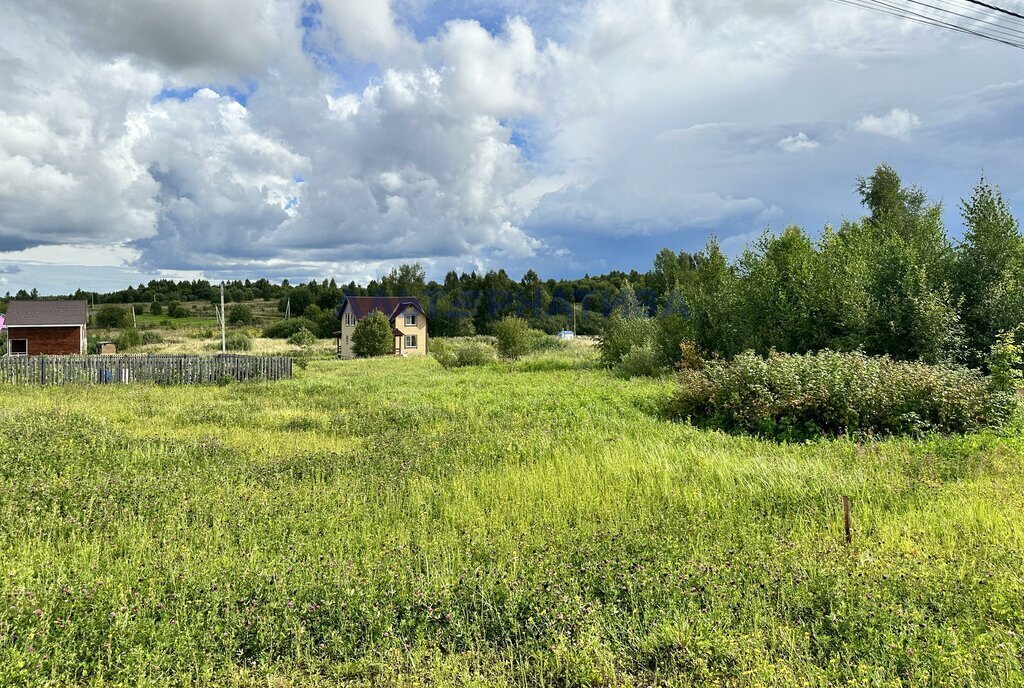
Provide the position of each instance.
(300, 139)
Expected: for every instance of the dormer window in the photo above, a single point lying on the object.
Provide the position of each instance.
(410, 319)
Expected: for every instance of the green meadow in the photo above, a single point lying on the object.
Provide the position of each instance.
(537, 523)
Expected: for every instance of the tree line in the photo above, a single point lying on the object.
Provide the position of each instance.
(892, 282)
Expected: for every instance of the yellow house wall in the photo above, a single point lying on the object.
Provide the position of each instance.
(345, 348)
(419, 329)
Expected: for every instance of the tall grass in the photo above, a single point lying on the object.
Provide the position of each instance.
(388, 522)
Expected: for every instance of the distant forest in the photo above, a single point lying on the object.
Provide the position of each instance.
(892, 282)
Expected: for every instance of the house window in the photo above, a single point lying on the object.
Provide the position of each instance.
(18, 347)
(410, 319)
(410, 341)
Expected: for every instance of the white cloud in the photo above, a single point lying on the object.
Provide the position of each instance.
(798, 143)
(367, 29)
(223, 187)
(898, 124)
(362, 144)
(67, 173)
(489, 74)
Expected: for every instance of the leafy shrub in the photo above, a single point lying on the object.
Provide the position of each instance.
(671, 331)
(1004, 363)
(111, 316)
(622, 335)
(373, 336)
(241, 314)
(463, 354)
(238, 341)
(303, 337)
(176, 310)
(538, 340)
(151, 337)
(689, 357)
(128, 339)
(640, 361)
(514, 338)
(793, 397)
(286, 328)
(156, 308)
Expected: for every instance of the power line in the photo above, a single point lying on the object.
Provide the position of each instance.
(995, 9)
(920, 12)
(918, 18)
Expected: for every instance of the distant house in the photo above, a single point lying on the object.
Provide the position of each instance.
(53, 328)
(567, 334)
(406, 315)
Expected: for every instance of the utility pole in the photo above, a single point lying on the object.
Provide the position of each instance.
(288, 309)
(223, 332)
(574, 317)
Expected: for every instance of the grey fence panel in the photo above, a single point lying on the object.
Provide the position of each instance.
(161, 369)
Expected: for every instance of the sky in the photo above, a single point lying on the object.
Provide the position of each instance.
(302, 139)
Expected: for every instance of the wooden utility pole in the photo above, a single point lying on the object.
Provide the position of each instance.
(223, 332)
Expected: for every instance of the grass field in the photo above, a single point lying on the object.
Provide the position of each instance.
(388, 522)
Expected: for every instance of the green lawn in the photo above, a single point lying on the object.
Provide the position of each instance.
(388, 522)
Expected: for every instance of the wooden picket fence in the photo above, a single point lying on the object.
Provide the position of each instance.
(128, 368)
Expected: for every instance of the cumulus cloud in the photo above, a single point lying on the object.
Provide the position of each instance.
(798, 143)
(367, 29)
(897, 124)
(67, 172)
(409, 175)
(223, 187)
(470, 133)
(223, 39)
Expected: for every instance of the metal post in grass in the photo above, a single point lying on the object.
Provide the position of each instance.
(846, 518)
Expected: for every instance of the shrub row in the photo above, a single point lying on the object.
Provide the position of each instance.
(459, 354)
(795, 397)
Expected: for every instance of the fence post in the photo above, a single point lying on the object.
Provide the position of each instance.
(846, 519)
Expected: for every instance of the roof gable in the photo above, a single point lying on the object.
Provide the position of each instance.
(42, 313)
(361, 306)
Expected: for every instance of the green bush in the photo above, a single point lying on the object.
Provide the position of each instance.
(303, 337)
(623, 335)
(640, 361)
(795, 397)
(373, 336)
(238, 341)
(286, 328)
(156, 308)
(176, 310)
(151, 337)
(241, 314)
(111, 316)
(1004, 363)
(538, 340)
(514, 338)
(128, 339)
(463, 354)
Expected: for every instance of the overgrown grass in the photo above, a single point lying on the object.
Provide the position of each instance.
(382, 522)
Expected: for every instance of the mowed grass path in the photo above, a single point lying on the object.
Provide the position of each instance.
(391, 523)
